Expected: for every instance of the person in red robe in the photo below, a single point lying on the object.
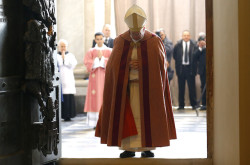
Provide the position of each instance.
(136, 113)
(95, 60)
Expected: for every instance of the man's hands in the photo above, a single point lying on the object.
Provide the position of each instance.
(134, 64)
(202, 44)
(167, 64)
(100, 54)
(63, 54)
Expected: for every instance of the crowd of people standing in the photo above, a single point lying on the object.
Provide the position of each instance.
(190, 58)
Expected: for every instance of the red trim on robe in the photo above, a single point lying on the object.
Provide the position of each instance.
(129, 127)
(146, 106)
(119, 89)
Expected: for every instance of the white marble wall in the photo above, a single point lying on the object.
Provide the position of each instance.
(71, 26)
(226, 139)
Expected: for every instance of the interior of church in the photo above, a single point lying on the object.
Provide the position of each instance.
(112, 12)
(32, 131)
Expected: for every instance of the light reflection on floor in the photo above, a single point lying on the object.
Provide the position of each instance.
(78, 140)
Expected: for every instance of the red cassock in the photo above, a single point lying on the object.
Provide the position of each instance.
(116, 119)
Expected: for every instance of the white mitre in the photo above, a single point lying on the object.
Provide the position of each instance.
(135, 18)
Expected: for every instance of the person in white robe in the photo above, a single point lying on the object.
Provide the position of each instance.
(66, 63)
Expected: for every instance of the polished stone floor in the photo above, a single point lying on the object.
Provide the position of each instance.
(78, 140)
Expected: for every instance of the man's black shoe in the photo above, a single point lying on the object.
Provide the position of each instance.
(67, 119)
(194, 107)
(127, 154)
(147, 154)
(203, 107)
(180, 108)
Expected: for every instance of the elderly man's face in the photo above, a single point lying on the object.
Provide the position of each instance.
(106, 31)
(137, 35)
(163, 35)
(186, 36)
(62, 47)
(99, 40)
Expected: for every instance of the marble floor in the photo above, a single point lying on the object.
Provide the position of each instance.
(78, 140)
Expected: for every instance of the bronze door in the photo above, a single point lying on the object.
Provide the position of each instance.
(29, 83)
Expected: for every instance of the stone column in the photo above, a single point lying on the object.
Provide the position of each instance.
(70, 26)
(89, 31)
(107, 11)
